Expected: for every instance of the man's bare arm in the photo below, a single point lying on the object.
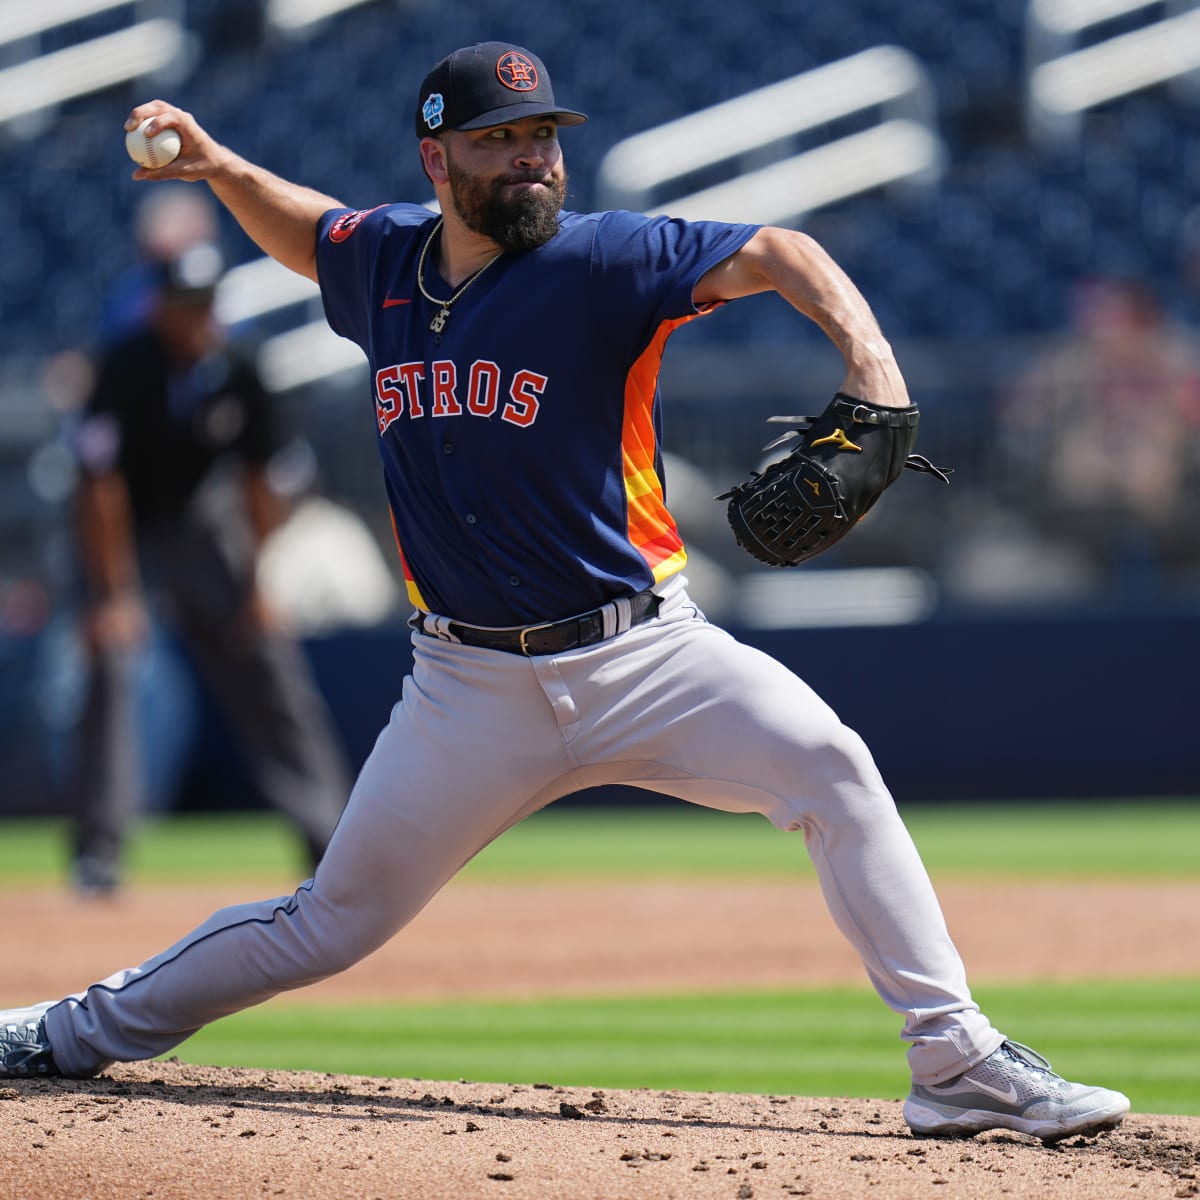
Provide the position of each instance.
(795, 266)
(114, 615)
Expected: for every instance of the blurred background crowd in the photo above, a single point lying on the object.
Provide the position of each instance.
(1014, 184)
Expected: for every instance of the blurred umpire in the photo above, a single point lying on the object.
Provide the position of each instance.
(174, 501)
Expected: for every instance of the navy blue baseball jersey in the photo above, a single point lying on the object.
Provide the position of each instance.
(521, 445)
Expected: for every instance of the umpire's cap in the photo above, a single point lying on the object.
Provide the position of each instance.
(487, 84)
(191, 277)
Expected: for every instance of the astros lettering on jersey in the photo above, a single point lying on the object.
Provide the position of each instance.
(480, 426)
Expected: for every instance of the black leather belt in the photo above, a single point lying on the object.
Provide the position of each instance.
(552, 637)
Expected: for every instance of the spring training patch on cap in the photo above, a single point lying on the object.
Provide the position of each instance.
(517, 72)
(432, 109)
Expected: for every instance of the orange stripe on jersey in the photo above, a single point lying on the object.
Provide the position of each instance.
(651, 528)
(414, 593)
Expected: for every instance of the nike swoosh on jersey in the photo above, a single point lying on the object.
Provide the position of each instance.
(390, 302)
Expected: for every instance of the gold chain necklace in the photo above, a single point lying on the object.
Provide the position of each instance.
(443, 314)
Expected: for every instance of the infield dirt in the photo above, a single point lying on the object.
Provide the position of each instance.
(173, 1131)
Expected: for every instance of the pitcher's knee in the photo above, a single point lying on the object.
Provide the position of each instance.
(332, 937)
(839, 783)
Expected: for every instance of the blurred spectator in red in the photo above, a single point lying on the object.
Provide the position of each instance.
(1102, 429)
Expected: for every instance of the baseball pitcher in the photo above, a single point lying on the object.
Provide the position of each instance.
(514, 353)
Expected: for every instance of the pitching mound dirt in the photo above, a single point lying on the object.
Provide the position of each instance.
(174, 1132)
(170, 1131)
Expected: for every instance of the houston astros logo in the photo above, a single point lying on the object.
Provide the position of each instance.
(517, 72)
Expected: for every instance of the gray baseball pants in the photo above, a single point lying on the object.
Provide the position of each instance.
(481, 739)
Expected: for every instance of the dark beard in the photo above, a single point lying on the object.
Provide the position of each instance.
(525, 222)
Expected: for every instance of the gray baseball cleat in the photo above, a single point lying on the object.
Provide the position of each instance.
(1013, 1088)
(24, 1047)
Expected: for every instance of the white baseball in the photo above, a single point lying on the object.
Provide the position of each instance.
(152, 152)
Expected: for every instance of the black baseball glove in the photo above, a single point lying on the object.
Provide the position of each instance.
(804, 503)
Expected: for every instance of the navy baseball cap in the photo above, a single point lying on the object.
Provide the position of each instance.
(487, 84)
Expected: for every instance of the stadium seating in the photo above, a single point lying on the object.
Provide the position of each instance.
(966, 276)
(993, 250)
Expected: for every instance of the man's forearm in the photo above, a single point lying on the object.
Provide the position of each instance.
(278, 216)
(802, 273)
(105, 526)
(263, 506)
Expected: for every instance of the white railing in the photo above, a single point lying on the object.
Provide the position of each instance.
(305, 355)
(42, 82)
(1063, 82)
(258, 287)
(307, 352)
(19, 19)
(296, 16)
(637, 172)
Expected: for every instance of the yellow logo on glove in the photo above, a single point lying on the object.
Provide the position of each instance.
(839, 439)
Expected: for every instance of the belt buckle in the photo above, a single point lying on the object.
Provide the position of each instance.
(526, 631)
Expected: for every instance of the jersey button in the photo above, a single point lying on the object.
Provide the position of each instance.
(514, 581)
(447, 449)
(470, 518)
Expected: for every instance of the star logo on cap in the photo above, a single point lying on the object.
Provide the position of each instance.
(517, 72)
(432, 109)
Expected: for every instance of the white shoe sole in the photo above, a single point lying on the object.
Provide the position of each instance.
(928, 1122)
(25, 1016)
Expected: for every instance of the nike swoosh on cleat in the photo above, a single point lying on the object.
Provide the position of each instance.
(389, 302)
(1009, 1096)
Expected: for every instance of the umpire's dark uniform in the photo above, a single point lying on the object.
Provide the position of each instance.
(176, 429)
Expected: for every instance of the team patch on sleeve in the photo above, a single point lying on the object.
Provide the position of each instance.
(346, 224)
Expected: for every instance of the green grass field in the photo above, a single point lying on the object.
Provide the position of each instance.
(1143, 1035)
(1140, 1036)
